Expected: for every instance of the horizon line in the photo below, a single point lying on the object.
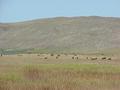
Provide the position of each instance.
(44, 18)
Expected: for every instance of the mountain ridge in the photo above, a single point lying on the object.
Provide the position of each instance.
(63, 34)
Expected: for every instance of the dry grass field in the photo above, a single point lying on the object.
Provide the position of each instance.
(59, 72)
(96, 66)
(23, 59)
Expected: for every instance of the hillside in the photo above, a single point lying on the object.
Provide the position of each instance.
(63, 34)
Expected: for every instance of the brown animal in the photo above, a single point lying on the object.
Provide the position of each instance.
(45, 58)
(52, 54)
(93, 58)
(57, 57)
(76, 57)
(109, 59)
(72, 57)
(38, 55)
(75, 54)
(103, 58)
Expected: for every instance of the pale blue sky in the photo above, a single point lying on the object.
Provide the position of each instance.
(22, 10)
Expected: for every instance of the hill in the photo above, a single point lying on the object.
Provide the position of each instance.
(62, 35)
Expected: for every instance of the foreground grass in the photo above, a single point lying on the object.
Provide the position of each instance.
(60, 77)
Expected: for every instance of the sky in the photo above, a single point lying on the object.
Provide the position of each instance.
(23, 10)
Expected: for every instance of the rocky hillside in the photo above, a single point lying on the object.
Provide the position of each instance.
(63, 34)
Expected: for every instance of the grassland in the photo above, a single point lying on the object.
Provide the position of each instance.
(93, 62)
(20, 72)
(61, 77)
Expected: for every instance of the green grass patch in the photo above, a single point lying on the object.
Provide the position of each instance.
(80, 67)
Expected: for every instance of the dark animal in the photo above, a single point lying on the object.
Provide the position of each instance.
(76, 57)
(103, 58)
(109, 59)
(57, 57)
(45, 58)
(38, 55)
(72, 57)
(94, 58)
(87, 58)
(52, 55)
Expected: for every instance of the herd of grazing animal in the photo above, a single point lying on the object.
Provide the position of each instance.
(93, 58)
(74, 56)
(103, 58)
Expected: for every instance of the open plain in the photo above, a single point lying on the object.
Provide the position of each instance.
(59, 72)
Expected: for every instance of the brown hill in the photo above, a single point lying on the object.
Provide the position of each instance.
(70, 35)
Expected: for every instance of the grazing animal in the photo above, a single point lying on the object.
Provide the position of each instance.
(38, 55)
(72, 57)
(103, 58)
(76, 57)
(75, 54)
(57, 57)
(94, 58)
(52, 54)
(109, 59)
(45, 58)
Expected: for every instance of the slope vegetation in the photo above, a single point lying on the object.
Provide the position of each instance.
(63, 34)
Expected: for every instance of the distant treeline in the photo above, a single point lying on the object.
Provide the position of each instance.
(13, 51)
